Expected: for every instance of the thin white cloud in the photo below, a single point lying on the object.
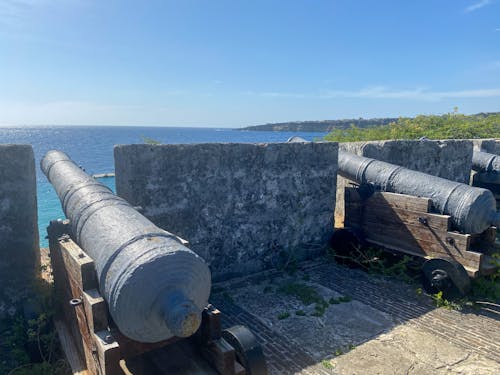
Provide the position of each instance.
(476, 6)
(382, 92)
(17, 12)
(283, 95)
(413, 94)
(276, 94)
(17, 8)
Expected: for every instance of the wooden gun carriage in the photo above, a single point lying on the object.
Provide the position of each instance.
(406, 224)
(94, 345)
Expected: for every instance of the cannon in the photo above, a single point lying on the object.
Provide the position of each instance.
(485, 162)
(138, 297)
(486, 173)
(155, 287)
(472, 209)
(414, 213)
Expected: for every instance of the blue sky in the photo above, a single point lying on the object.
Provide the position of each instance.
(234, 63)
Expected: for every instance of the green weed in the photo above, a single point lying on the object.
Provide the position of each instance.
(336, 301)
(228, 297)
(305, 293)
(283, 315)
(268, 289)
(327, 364)
(31, 346)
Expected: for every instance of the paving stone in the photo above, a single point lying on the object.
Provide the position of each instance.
(394, 329)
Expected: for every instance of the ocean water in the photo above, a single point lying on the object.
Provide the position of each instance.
(92, 148)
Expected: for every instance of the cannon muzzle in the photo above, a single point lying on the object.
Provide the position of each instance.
(155, 287)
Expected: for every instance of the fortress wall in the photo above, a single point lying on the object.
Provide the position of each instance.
(491, 146)
(242, 207)
(450, 159)
(19, 253)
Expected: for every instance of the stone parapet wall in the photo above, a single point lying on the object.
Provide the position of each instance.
(19, 254)
(450, 159)
(491, 146)
(242, 207)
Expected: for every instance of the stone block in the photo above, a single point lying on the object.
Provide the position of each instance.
(19, 253)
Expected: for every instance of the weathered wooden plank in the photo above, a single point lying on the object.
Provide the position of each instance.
(108, 353)
(70, 349)
(393, 216)
(221, 355)
(404, 223)
(79, 265)
(64, 294)
(89, 347)
(425, 246)
(96, 310)
(405, 202)
(413, 232)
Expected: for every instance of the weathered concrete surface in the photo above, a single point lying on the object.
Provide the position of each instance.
(407, 349)
(320, 334)
(18, 226)
(387, 327)
(491, 146)
(450, 159)
(242, 207)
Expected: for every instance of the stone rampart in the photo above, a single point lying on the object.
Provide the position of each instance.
(242, 207)
(19, 254)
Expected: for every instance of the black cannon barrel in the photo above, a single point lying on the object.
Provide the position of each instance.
(485, 162)
(472, 209)
(156, 288)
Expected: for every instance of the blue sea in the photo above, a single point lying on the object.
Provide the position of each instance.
(92, 148)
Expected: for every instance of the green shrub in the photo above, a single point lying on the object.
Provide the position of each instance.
(449, 126)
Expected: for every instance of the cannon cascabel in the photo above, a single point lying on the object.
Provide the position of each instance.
(155, 287)
(472, 209)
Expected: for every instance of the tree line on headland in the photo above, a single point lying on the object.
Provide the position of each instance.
(449, 126)
(322, 126)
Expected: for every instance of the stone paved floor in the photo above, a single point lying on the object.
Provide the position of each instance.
(385, 327)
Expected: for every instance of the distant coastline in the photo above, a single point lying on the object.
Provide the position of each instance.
(319, 126)
(327, 126)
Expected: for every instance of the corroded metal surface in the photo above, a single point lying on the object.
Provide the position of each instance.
(472, 210)
(485, 162)
(156, 288)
